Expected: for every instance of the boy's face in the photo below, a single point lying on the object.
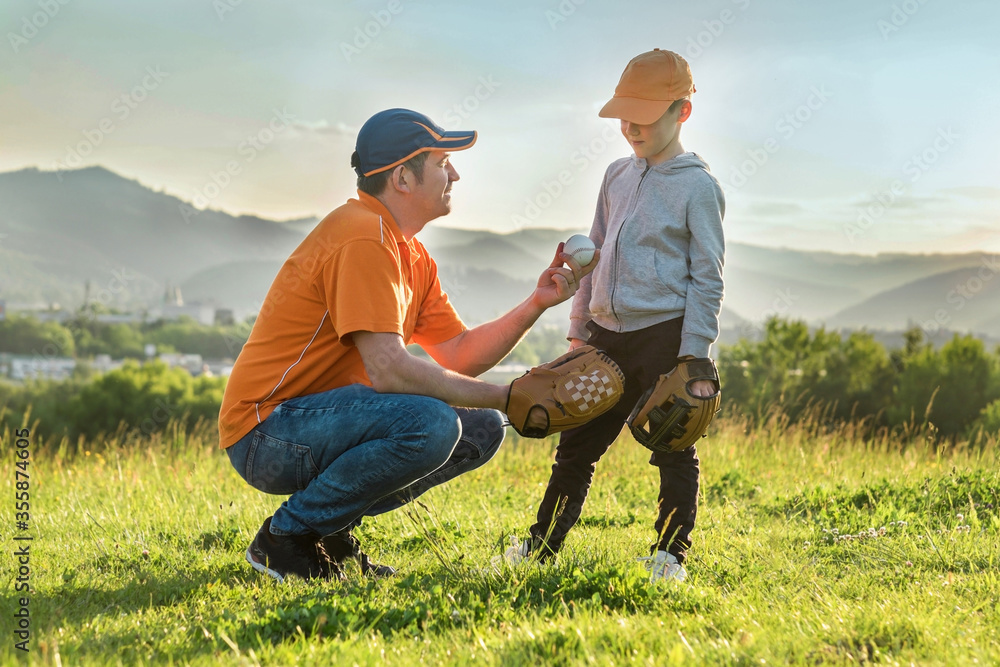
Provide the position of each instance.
(659, 141)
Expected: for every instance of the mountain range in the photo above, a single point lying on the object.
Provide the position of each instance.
(61, 230)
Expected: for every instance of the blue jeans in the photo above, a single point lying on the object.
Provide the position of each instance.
(351, 452)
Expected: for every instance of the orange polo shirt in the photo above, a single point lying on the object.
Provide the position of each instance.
(354, 272)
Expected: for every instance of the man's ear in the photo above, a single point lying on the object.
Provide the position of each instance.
(399, 179)
(685, 111)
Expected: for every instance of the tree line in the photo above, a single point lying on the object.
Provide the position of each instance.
(84, 336)
(953, 390)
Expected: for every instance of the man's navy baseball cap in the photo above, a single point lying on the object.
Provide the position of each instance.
(391, 137)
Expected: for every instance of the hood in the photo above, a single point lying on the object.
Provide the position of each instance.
(682, 161)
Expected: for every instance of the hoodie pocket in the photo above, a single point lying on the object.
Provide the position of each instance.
(671, 279)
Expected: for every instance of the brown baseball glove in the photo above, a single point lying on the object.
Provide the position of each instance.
(572, 390)
(676, 418)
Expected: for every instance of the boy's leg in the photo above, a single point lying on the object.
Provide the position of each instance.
(679, 471)
(339, 452)
(580, 449)
(577, 455)
(678, 500)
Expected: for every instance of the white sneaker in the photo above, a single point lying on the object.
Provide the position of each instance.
(517, 551)
(664, 567)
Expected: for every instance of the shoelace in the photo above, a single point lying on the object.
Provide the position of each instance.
(664, 564)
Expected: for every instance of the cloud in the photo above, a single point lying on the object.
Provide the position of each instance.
(324, 127)
(776, 208)
(984, 193)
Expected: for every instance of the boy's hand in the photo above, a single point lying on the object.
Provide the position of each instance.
(701, 388)
(558, 283)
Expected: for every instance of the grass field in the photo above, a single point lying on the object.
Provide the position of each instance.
(810, 549)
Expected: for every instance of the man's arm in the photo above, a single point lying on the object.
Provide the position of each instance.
(393, 370)
(479, 349)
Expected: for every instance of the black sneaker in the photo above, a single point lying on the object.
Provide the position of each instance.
(282, 555)
(342, 545)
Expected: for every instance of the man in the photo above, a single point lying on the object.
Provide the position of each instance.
(326, 404)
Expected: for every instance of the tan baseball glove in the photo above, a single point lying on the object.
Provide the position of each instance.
(668, 417)
(572, 390)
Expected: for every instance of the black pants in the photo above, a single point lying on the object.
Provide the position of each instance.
(643, 356)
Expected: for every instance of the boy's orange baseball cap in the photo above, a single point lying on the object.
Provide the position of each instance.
(651, 82)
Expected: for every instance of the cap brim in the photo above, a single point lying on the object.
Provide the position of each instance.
(635, 110)
(454, 141)
(448, 141)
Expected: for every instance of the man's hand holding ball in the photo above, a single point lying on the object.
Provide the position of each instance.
(581, 248)
(574, 259)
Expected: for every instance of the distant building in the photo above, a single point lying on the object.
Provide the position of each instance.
(192, 363)
(174, 308)
(224, 317)
(59, 316)
(119, 318)
(200, 313)
(39, 367)
(103, 363)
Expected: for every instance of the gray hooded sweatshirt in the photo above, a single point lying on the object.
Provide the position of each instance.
(660, 232)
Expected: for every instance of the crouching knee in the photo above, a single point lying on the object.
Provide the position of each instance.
(485, 429)
(440, 430)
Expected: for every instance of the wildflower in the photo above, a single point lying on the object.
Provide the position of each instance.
(909, 564)
(960, 517)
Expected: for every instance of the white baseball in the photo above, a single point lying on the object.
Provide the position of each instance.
(581, 248)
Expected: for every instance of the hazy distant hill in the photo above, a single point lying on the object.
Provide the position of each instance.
(864, 274)
(89, 223)
(756, 294)
(59, 230)
(959, 300)
(239, 285)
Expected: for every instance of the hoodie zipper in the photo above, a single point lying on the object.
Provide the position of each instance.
(631, 210)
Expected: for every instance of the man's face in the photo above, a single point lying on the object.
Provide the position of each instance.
(433, 195)
(657, 141)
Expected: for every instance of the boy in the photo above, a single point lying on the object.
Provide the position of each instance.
(655, 298)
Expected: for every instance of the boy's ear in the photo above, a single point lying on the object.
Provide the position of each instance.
(685, 111)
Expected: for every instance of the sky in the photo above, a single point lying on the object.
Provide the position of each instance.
(863, 126)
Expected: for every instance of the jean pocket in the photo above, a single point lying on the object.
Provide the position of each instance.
(278, 467)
